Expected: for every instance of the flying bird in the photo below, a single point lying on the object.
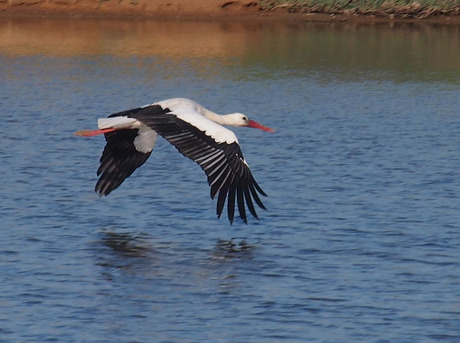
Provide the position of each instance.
(197, 133)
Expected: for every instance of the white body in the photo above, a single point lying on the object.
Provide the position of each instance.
(131, 138)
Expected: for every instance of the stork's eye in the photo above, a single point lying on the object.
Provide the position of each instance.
(245, 118)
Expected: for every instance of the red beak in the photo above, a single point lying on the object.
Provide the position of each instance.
(90, 133)
(256, 125)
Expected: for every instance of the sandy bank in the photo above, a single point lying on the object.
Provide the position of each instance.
(209, 9)
(143, 8)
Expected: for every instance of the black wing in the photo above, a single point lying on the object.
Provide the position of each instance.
(228, 174)
(119, 160)
(120, 157)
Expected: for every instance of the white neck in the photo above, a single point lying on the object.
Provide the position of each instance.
(182, 104)
(222, 119)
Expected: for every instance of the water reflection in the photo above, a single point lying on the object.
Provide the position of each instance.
(137, 261)
(425, 51)
(234, 248)
(124, 244)
(396, 48)
(130, 253)
(58, 37)
(131, 245)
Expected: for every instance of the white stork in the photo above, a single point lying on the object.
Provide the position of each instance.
(196, 132)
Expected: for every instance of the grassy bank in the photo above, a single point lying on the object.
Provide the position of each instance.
(392, 8)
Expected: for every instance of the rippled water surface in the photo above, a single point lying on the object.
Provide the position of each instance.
(361, 239)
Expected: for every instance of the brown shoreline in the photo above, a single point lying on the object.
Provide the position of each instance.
(201, 10)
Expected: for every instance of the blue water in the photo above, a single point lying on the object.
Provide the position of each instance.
(360, 242)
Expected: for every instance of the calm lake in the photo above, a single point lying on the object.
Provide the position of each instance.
(360, 242)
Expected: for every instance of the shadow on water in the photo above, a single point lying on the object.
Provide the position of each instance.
(131, 252)
(126, 245)
(125, 248)
(139, 261)
(231, 249)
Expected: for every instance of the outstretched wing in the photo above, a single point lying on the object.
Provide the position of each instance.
(125, 151)
(228, 174)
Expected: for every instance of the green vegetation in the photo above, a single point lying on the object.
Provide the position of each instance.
(397, 8)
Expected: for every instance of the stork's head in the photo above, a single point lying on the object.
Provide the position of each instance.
(240, 119)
